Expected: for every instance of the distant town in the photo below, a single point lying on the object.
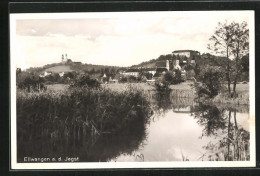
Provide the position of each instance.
(182, 60)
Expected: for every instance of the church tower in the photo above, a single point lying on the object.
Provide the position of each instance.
(66, 57)
(62, 58)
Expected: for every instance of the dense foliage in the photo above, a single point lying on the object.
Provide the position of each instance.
(84, 81)
(29, 82)
(89, 112)
(173, 77)
(211, 78)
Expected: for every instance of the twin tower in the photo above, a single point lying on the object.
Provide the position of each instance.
(64, 58)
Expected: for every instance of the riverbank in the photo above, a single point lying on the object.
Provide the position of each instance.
(183, 90)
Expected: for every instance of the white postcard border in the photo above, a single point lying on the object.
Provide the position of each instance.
(108, 165)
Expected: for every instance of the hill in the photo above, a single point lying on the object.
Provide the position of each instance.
(76, 67)
(59, 68)
(201, 60)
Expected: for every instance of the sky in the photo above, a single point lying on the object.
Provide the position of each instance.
(117, 39)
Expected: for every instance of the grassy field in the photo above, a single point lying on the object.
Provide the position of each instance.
(241, 88)
(60, 68)
(145, 86)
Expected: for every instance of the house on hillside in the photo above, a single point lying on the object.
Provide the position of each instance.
(176, 65)
(149, 70)
(66, 60)
(61, 74)
(112, 80)
(131, 72)
(163, 65)
(44, 74)
(187, 53)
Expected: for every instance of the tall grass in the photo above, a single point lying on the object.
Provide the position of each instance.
(241, 99)
(78, 113)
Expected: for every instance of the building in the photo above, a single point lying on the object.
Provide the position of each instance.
(44, 74)
(112, 80)
(187, 53)
(149, 70)
(163, 64)
(176, 65)
(61, 74)
(64, 58)
(131, 72)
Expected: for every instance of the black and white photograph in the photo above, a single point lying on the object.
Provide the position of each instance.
(132, 89)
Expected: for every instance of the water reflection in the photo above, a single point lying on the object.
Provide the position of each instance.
(89, 148)
(180, 130)
(183, 130)
(233, 143)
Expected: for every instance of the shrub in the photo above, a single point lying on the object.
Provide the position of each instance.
(173, 77)
(30, 82)
(177, 77)
(131, 79)
(169, 77)
(211, 78)
(85, 82)
(162, 87)
(123, 80)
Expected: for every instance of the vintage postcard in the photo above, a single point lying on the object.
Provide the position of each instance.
(132, 90)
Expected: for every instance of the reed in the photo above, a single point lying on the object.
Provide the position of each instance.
(78, 112)
(241, 99)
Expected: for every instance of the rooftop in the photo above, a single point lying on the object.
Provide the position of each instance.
(180, 51)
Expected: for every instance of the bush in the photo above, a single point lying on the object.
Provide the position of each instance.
(177, 77)
(123, 80)
(211, 78)
(85, 82)
(30, 82)
(131, 79)
(162, 87)
(173, 77)
(169, 77)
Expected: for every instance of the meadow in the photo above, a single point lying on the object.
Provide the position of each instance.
(59, 68)
(183, 90)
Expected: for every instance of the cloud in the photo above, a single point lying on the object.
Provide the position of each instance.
(116, 40)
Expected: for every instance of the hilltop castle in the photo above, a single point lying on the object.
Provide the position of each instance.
(183, 58)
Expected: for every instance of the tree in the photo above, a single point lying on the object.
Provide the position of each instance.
(245, 63)
(92, 71)
(221, 43)
(211, 78)
(172, 77)
(30, 82)
(85, 81)
(240, 48)
(169, 77)
(177, 77)
(231, 40)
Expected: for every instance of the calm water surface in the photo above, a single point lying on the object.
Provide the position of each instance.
(178, 130)
(177, 135)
